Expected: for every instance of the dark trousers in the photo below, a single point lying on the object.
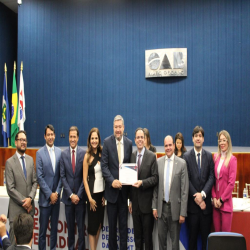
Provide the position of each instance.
(75, 213)
(120, 209)
(46, 213)
(198, 223)
(143, 226)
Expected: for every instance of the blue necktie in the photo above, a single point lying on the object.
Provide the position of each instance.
(24, 168)
(167, 182)
(199, 163)
(52, 159)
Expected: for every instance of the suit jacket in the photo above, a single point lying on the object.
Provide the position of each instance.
(110, 166)
(49, 181)
(225, 182)
(142, 197)
(199, 182)
(5, 244)
(178, 194)
(72, 182)
(18, 188)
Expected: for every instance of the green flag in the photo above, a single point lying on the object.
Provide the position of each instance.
(14, 127)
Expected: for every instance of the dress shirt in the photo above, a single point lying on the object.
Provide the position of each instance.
(196, 157)
(142, 153)
(122, 148)
(171, 163)
(5, 236)
(71, 153)
(71, 160)
(53, 152)
(20, 159)
(24, 246)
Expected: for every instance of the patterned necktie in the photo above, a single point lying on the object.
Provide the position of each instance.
(52, 157)
(167, 182)
(73, 160)
(119, 152)
(139, 162)
(199, 163)
(24, 168)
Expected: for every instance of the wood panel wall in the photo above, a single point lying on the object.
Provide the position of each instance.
(243, 168)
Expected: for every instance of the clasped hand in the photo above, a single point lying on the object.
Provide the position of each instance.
(27, 204)
(217, 203)
(199, 201)
(75, 199)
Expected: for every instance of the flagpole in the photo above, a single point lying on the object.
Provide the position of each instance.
(5, 72)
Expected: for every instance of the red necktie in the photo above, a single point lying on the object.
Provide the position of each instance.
(73, 160)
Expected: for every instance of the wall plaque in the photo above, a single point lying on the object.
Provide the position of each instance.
(166, 62)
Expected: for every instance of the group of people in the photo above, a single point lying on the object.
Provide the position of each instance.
(172, 189)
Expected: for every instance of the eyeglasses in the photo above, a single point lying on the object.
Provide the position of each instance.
(222, 141)
(22, 140)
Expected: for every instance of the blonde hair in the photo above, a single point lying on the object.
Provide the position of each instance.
(229, 150)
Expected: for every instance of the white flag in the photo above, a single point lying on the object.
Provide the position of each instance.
(21, 104)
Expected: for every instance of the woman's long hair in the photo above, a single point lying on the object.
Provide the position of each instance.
(180, 137)
(90, 150)
(229, 150)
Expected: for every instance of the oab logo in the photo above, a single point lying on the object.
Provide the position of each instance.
(166, 62)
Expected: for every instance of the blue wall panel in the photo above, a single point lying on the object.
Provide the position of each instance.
(84, 63)
(8, 50)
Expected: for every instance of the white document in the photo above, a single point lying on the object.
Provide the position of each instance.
(128, 173)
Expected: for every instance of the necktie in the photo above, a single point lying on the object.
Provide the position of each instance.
(139, 161)
(73, 160)
(119, 152)
(24, 168)
(52, 159)
(199, 163)
(167, 182)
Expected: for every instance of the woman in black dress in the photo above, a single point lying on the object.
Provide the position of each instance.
(94, 186)
(179, 145)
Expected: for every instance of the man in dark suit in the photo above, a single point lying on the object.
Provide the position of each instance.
(23, 230)
(141, 193)
(200, 166)
(5, 242)
(117, 149)
(170, 195)
(48, 176)
(74, 196)
(21, 181)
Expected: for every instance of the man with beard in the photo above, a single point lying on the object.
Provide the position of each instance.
(200, 167)
(21, 182)
(48, 176)
(117, 149)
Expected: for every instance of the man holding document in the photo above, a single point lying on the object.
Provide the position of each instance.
(117, 149)
(141, 192)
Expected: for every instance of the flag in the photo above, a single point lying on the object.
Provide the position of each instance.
(5, 114)
(14, 127)
(21, 105)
